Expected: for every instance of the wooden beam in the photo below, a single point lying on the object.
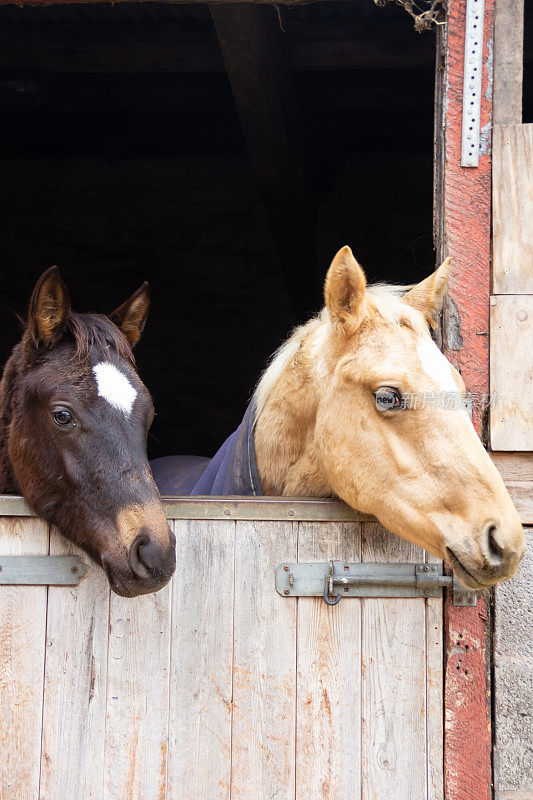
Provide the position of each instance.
(508, 60)
(256, 56)
(463, 232)
(97, 49)
(160, 49)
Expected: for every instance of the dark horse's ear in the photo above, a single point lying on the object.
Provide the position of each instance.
(49, 308)
(131, 316)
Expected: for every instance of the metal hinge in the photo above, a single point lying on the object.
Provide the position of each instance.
(334, 580)
(41, 570)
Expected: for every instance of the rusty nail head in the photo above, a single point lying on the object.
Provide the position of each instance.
(426, 591)
(286, 567)
(74, 569)
(287, 591)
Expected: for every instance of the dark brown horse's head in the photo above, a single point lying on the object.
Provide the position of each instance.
(75, 419)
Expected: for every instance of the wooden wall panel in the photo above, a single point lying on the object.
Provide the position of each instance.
(512, 192)
(393, 681)
(201, 679)
(136, 743)
(22, 652)
(328, 727)
(72, 762)
(216, 686)
(511, 371)
(264, 668)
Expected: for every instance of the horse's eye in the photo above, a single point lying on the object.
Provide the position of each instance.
(62, 416)
(388, 399)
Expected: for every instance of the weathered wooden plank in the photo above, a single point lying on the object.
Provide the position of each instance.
(511, 369)
(75, 682)
(264, 667)
(135, 762)
(160, 51)
(22, 654)
(394, 746)
(434, 693)
(269, 508)
(328, 730)
(514, 466)
(199, 763)
(508, 60)
(289, 509)
(512, 198)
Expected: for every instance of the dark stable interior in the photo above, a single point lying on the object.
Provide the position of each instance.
(129, 152)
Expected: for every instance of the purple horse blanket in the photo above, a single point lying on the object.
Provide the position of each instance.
(232, 470)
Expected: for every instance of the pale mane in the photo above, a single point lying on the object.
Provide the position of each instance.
(281, 358)
(385, 300)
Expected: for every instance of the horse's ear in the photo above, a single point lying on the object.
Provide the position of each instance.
(131, 316)
(344, 289)
(427, 295)
(49, 308)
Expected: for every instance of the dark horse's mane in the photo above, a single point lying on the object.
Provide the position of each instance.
(96, 331)
(87, 332)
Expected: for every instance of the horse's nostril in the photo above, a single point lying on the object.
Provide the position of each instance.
(139, 558)
(149, 560)
(494, 549)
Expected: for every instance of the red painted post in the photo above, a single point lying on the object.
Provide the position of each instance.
(467, 215)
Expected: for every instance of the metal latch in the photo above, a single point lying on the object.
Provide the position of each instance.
(334, 580)
(41, 570)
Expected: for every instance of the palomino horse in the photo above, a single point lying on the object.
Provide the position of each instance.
(74, 417)
(343, 410)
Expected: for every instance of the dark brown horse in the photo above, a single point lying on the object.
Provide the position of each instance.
(74, 417)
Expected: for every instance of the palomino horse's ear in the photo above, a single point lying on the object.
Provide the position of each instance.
(427, 295)
(49, 308)
(345, 287)
(131, 316)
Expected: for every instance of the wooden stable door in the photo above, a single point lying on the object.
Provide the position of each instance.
(217, 686)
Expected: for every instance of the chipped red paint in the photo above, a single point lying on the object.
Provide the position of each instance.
(467, 217)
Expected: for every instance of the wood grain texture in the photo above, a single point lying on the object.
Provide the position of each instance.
(72, 761)
(201, 661)
(394, 747)
(464, 233)
(328, 730)
(22, 651)
(264, 676)
(508, 60)
(512, 195)
(511, 371)
(136, 745)
(434, 693)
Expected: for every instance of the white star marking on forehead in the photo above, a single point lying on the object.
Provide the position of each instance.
(114, 387)
(436, 365)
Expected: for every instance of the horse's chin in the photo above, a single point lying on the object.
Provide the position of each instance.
(463, 574)
(126, 585)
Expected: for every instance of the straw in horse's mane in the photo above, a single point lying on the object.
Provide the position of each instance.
(384, 301)
(97, 331)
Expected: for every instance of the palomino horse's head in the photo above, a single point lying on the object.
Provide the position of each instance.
(76, 440)
(366, 390)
